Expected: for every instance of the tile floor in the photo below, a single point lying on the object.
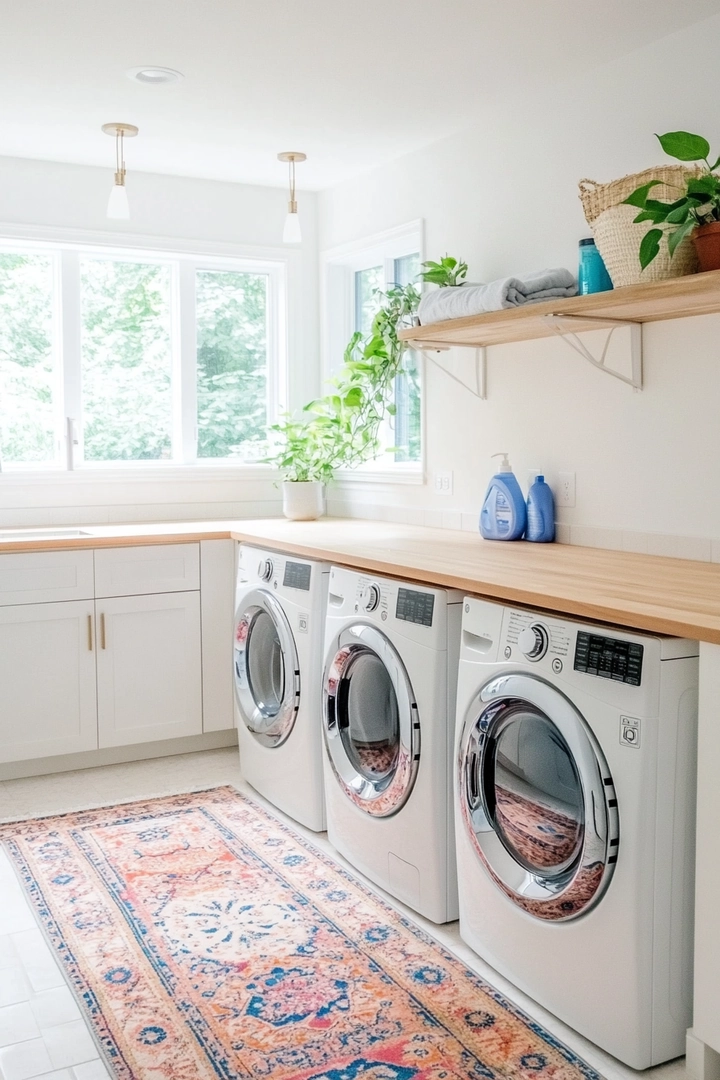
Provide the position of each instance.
(42, 1033)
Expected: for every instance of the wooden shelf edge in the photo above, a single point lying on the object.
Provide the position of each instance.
(676, 298)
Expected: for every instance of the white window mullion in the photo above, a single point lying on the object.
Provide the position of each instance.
(185, 420)
(71, 353)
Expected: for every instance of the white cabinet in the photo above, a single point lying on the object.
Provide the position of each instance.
(47, 679)
(217, 601)
(151, 568)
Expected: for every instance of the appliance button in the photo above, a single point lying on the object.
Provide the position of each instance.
(369, 597)
(507, 652)
(533, 641)
(557, 665)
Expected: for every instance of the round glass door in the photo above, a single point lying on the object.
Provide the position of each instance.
(537, 798)
(267, 679)
(371, 725)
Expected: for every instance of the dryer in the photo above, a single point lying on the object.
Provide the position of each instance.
(575, 795)
(391, 652)
(277, 666)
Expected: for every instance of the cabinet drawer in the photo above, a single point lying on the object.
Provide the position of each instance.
(159, 568)
(39, 577)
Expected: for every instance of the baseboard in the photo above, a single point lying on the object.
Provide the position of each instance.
(115, 755)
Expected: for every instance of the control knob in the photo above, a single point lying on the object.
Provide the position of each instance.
(533, 641)
(369, 597)
(265, 569)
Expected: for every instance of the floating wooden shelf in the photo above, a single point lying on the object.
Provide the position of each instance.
(696, 294)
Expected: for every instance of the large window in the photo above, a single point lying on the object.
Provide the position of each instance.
(354, 279)
(110, 357)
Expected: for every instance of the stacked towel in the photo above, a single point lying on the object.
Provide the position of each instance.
(454, 302)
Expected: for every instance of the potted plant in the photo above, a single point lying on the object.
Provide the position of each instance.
(342, 429)
(695, 213)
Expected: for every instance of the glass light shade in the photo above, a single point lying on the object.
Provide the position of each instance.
(118, 206)
(291, 232)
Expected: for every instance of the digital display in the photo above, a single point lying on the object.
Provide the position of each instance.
(416, 607)
(607, 658)
(297, 575)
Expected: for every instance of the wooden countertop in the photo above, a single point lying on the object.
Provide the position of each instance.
(646, 592)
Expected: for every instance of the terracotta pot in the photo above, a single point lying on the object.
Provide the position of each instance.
(706, 239)
(303, 500)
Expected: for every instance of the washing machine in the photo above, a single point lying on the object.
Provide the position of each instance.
(575, 795)
(391, 652)
(278, 665)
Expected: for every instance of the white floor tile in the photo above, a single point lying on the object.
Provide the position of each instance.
(25, 1060)
(69, 1044)
(40, 965)
(53, 1007)
(17, 1024)
(14, 985)
(91, 1070)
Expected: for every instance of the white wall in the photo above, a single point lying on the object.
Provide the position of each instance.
(39, 199)
(504, 197)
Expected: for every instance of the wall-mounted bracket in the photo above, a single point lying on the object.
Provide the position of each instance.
(480, 390)
(561, 325)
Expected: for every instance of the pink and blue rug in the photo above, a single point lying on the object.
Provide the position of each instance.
(206, 940)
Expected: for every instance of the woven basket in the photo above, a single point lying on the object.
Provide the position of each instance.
(617, 236)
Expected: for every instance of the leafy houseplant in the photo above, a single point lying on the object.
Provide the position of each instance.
(695, 213)
(342, 429)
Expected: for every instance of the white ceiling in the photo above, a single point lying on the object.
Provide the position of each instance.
(353, 84)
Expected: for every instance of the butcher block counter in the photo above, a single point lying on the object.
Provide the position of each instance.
(645, 592)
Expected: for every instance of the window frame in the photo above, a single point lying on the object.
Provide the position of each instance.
(66, 247)
(338, 268)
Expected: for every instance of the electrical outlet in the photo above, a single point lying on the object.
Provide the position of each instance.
(443, 482)
(566, 489)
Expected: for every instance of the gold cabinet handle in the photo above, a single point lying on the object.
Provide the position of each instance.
(103, 644)
(90, 633)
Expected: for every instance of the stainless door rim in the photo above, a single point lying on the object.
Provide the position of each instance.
(569, 890)
(270, 729)
(386, 795)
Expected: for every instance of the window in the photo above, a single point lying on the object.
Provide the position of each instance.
(352, 279)
(136, 358)
(28, 358)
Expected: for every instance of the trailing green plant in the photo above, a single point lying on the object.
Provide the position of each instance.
(342, 429)
(447, 272)
(699, 203)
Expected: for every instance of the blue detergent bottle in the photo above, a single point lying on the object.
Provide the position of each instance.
(504, 514)
(540, 512)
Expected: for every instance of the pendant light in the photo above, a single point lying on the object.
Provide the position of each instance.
(118, 206)
(291, 232)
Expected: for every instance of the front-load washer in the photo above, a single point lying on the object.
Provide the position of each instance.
(278, 665)
(575, 791)
(391, 653)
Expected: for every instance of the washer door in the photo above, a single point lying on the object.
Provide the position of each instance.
(267, 676)
(537, 797)
(371, 725)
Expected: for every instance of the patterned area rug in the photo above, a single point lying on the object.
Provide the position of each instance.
(205, 939)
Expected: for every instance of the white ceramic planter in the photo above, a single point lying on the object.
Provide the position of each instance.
(303, 500)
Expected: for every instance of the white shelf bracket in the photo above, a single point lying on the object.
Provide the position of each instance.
(561, 324)
(480, 390)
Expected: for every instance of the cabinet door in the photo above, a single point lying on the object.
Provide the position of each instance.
(148, 668)
(217, 596)
(47, 680)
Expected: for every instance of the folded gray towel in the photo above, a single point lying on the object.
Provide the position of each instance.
(454, 302)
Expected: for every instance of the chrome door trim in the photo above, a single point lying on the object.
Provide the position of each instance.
(572, 889)
(385, 796)
(269, 729)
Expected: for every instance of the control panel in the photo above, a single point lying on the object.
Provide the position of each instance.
(415, 607)
(609, 658)
(297, 575)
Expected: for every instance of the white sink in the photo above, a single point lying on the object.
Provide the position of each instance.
(41, 534)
